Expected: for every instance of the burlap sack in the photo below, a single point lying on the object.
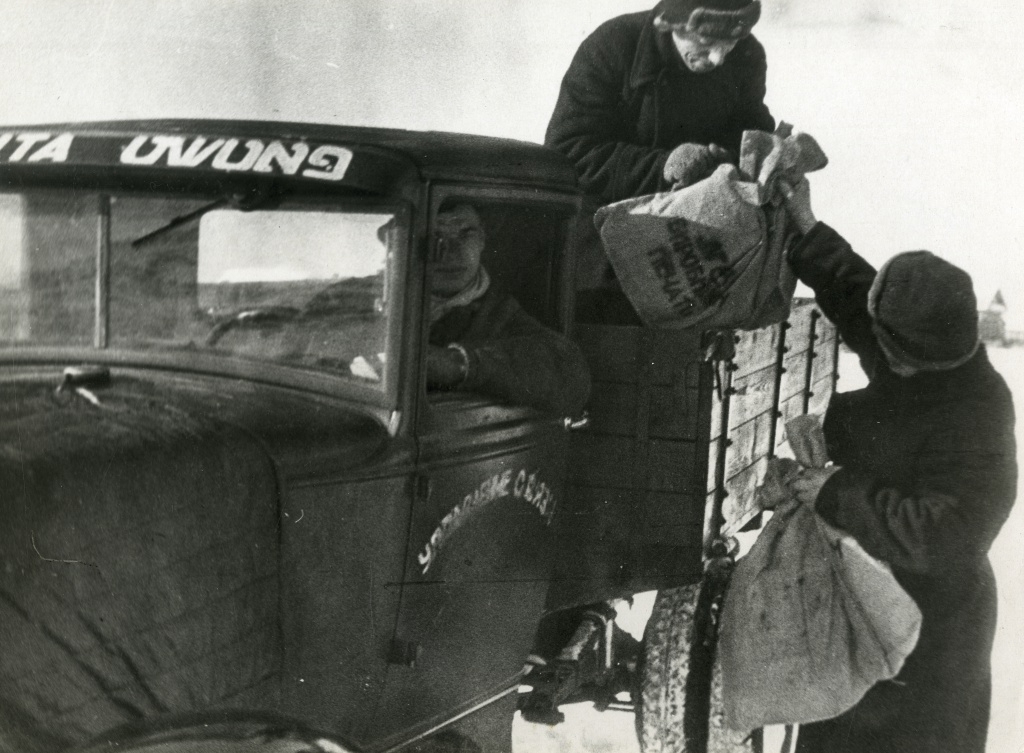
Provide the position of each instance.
(712, 255)
(811, 621)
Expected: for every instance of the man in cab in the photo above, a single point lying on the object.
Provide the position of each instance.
(481, 339)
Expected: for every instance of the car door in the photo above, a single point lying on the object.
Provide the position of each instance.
(490, 479)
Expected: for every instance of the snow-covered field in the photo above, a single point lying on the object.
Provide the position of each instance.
(589, 731)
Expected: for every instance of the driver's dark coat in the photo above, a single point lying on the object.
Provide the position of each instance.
(513, 357)
(928, 476)
(627, 100)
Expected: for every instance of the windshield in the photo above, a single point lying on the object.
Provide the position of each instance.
(304, 285)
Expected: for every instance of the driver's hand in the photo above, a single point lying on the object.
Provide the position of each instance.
(446, 368)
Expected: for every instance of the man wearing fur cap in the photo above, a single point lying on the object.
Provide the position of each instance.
(654, 100)
(661, 97)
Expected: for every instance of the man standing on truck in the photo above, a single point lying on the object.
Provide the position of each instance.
(481, 340)
(925, 475)
(658, 99)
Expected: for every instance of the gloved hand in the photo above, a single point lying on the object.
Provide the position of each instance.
(774, 489)
(723, 155)
(690, 163)
(807, 486)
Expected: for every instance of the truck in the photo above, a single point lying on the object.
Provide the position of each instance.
(236, 517)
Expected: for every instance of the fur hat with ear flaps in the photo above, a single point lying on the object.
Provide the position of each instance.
(925, 312)
(717, 19)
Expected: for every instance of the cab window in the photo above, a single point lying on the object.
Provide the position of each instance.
(524, 246)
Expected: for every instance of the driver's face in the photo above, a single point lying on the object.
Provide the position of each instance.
(457, 246)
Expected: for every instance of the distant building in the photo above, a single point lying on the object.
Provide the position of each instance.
(991, 324)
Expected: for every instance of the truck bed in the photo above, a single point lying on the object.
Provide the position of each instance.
(653, 477)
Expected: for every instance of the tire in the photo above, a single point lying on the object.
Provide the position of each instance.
(673, 677)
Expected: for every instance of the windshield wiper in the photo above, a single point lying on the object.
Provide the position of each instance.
(180, 220)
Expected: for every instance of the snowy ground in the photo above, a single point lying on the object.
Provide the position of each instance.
(589, 731)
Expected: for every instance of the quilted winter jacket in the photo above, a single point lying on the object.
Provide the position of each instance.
(627, 100)
(928, 476)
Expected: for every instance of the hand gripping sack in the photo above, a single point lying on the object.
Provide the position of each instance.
(712, 255)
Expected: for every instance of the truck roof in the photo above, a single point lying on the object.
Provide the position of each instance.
(433, 154)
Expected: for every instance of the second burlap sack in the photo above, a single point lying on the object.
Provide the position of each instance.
(811, 621)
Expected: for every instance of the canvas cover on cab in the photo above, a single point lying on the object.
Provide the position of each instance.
(712, 255)
(140, 566)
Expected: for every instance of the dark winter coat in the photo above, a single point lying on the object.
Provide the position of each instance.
(928, 476)
(627, 100)
(513, 357)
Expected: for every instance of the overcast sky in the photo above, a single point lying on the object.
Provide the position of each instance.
(918, 107)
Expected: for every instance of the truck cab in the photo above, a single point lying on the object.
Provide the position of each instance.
(229, 491)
